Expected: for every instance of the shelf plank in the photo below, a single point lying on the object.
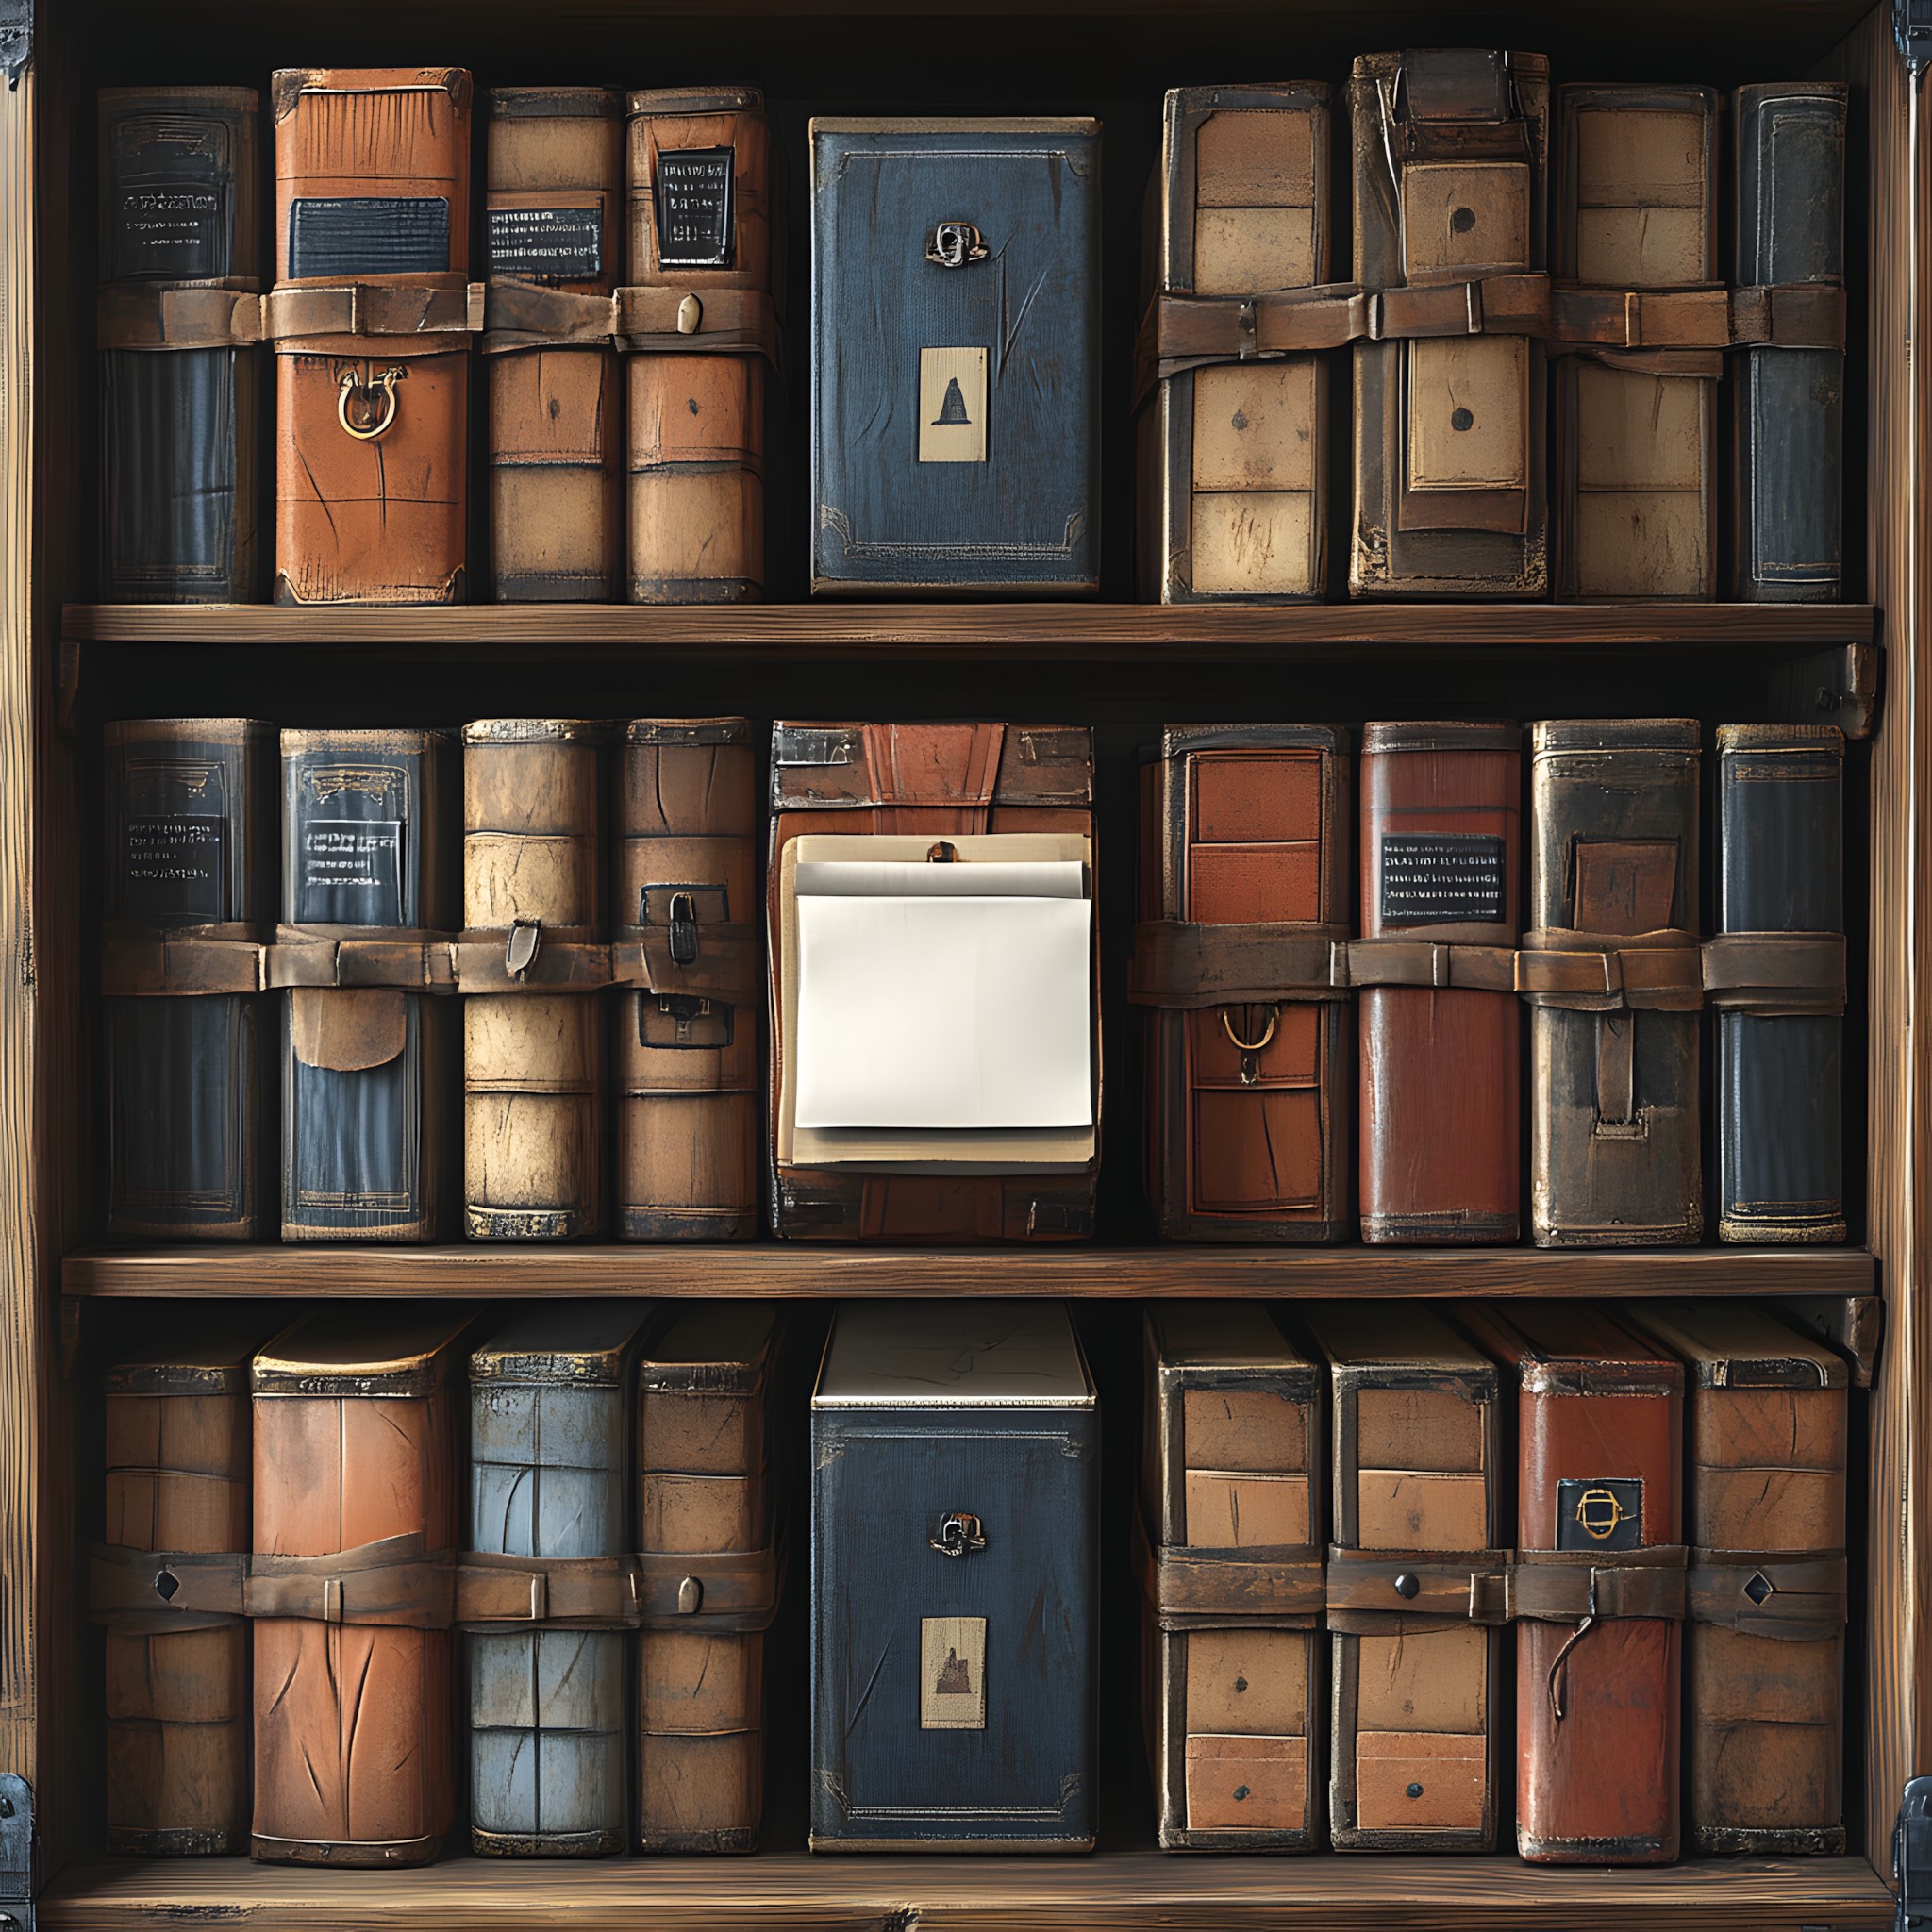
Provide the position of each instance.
(482, 1271)
(1107, 1893)
(1110, 632)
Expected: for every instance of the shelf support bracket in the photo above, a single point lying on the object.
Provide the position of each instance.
(1837, 687)
(18, 1871)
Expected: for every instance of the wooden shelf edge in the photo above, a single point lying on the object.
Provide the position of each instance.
(1105, 1893)
(779, 1269)
(970, 628)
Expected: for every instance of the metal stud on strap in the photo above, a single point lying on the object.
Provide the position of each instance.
(520, 949)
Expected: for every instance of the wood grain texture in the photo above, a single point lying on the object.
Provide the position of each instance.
(1336, 1893)
(777, 1269)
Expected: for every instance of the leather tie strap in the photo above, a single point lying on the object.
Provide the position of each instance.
(1188, 1587)
(1799, 316)
(339, 956)
(1589, 1585)
(529, 957)
(1176, 963)
(1367, 1588)
(1801, 1599)
(366, 309)
(716, 322)
(1774, 972)
(162, 961)
(1602, 973)
(1418, 962)
(558, 1592)
(726, 965)
(197, 315)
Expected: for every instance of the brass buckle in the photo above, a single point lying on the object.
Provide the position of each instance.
(385, 412)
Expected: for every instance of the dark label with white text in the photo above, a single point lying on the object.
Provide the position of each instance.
(1441, 879)
(553, 245)
(694, 193)
(173, 865)
(352, 872)
(169, 231)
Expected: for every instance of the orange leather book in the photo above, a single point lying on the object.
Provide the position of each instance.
(371, 334)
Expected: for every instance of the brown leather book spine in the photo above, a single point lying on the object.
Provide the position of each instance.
(1253, 1100)
(356, 1441)
(533, 1063)
(1600, 1449)
(929, 781)
(1231, 1498)
(1236, 457)
(688, 1076)
(554, 218)
(1636, 430)
(178, 1479)
(700, 185)
(703, 1425)
(1416, 1689)
(1451, 149)
(1442, 858)
(1765, 1645)
(372, 446)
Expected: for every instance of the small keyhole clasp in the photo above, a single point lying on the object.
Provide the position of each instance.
(954, 244)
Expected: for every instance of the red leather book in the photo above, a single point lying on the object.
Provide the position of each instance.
(1599, 1584)
(1442, 1124)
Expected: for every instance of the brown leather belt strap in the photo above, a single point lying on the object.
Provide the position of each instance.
(530, 956)
(374, 308)
(190, 315)
(737, 1589)
(1795, 315)
(720, 321)
(413, 960)
(1368, 1586)
(1177, 963)
(1570, 1586)
(1774, 973)
(1800, 1598)
(583, 1592)
(1601, 973)
(1187, 1587)
(724, 960)
(396, 1581)
(160, 960)
(1418, 962)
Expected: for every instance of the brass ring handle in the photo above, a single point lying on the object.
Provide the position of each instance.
(1250, 1045)
(386, 381)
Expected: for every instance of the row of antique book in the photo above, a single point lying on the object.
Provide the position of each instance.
(1540, 322)
(930, 963)
(1646, 1507)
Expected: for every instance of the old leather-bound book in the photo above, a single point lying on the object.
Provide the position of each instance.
(191, 843)
(1599, 1583)
(181, 389)
(533, 1061)
(371, 322)
(1249, 1087)
(1451, 150)
(1785, 529)
(1615, 1149)
(1636, 430)
(177, 1480)
(550, 1460)
(554, 212)
(1228, 1551)
(688, 1074)
(904, 805)
(706, 1534)
(1441, 1128)
(955, 1538)
(1414, 1615)
(956, 363)
(1765, 1644)
(368, 840)
(699, 163)
(1780, 1126)
(1234, 455)
(357, 1449)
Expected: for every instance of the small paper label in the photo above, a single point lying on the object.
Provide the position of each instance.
(1439, 879)
(952, 1680)
(359, 859)
(1602, 1514)
(952, 405)
(173, 865)
(168, 230)
(695, 196)
(556, 244)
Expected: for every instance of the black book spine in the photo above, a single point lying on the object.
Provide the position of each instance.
(1780, 1125)
(189, 810)
(367, 826)
(1787, 404)
(179, 426)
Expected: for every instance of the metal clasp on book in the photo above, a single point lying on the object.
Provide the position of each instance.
(520, 949)
(379, 417)
(959, 1533)
(954, 244)
(684, 929)
(1250, 1049)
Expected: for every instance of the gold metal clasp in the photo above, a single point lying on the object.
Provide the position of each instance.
(379, 416)
(1249, 1049)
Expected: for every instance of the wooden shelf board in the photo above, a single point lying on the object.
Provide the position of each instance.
(1121, 632)
(1107, 1893)
(784, 1269)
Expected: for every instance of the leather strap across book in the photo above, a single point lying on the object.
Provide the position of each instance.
(371, 319)
(1228, 1554)
(1234, 456)
(1417, 1669)
(181, 414)
(553, 221)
